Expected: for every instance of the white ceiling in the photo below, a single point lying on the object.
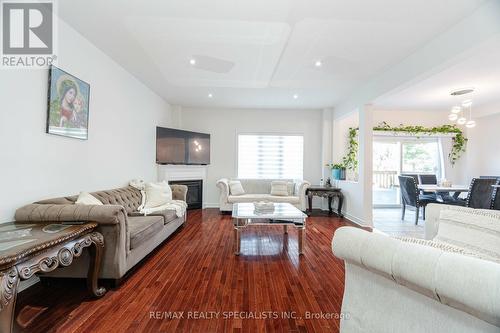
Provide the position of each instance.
(479, 69)
(260, 53)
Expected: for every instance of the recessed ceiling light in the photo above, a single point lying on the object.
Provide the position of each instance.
(192, 61)
(318, 63)
(295, 96)
(210, 95)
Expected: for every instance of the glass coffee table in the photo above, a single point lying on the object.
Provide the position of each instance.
(285, 214)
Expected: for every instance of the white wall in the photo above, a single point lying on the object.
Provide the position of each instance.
(225, 124)
(121, 145)
(483, 157)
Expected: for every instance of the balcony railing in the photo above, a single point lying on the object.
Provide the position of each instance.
(384, 179)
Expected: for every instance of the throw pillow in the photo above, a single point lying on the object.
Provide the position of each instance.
(157, 194)
(235, 188)
(86, 198)
(279, 188)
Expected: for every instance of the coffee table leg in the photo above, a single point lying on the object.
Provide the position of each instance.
(301, 240)
(9, 282)
(237, 241)
(95, 264)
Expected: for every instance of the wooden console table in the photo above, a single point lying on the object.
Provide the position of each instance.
(26, 249)
(325, 192)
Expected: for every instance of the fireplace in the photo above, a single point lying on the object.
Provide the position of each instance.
(194, 197)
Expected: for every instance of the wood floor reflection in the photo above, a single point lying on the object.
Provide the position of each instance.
(196, 272)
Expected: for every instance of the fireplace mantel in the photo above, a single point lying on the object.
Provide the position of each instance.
(184, 172)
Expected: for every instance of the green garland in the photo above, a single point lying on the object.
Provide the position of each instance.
(459, 140)
(350, 160)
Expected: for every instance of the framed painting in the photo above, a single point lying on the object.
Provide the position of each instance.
(68, 105)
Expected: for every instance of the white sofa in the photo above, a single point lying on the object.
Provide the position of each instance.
(448, 284)
(260, 190)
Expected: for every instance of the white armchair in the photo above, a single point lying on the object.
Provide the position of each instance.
(405, 285)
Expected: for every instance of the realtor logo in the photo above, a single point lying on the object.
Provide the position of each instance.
(27, 30)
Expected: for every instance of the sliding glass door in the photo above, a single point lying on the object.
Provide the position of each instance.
(393, 156)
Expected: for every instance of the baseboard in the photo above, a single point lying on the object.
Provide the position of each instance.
(356, 220)
(210, 205)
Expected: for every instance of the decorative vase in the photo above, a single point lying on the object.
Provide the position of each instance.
(336, 174)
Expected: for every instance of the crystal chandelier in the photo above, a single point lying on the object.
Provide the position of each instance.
(458, 111)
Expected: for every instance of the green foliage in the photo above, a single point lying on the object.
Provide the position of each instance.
(459, 140)
(350, 160)
(458, 147)
(336, 166)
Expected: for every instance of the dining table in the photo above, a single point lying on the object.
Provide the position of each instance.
(456, 189)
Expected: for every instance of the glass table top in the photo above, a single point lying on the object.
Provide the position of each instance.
(17, 240)
(284, 211)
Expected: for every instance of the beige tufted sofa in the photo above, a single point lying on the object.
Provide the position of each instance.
(259, 190)
(128, 235)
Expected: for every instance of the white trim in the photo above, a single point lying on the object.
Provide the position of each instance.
(356, 220)
(184, 172)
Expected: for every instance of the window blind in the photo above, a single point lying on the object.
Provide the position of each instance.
(270, 156)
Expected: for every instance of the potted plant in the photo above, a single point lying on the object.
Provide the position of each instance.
(337, 170)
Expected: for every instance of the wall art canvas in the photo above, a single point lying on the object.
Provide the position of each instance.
(68, 105)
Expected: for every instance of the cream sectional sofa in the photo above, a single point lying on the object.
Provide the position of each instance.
(450, 283)
(260, 190)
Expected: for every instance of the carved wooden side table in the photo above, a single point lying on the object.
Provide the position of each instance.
(26, 249)
(325, 192)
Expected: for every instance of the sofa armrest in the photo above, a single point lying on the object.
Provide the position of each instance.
(300, 191)
(223, 185)
(432, 212)
(468, 284)
(113, 225)
(179, 192)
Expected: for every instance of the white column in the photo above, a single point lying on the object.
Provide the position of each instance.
(326, 148)
(365, 155)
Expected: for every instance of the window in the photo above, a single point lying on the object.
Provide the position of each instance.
(270, 156)
(421, 157)
(395, 155)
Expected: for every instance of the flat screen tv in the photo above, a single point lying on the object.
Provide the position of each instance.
(174, 146)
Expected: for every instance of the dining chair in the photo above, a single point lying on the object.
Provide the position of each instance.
(481, 192)
(427, 179)
(495, 199)
(413, 175)
(410, 197)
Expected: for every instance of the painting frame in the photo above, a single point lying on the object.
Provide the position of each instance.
(68, 105)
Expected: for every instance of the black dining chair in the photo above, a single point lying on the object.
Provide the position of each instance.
(495, 198)
(410, 197)
(481, 192)
(427, 180)
(413, 175)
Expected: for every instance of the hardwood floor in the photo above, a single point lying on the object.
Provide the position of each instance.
(196, 272)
